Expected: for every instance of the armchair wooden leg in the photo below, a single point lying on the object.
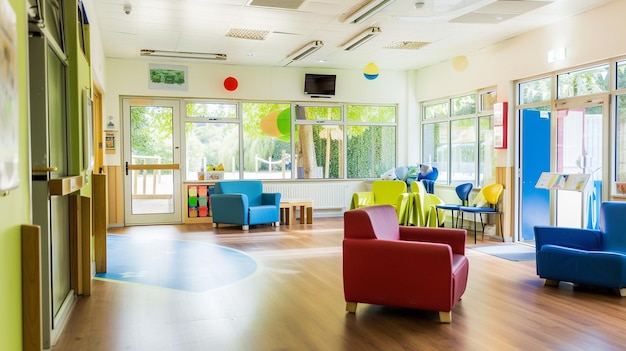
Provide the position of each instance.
(214, 225)
(551, 282)
(445, 317)
(277, 224)
(621, 292)
(245, 227)
(351, 307)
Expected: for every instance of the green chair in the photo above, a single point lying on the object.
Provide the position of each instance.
(385, 192)
(423, 211)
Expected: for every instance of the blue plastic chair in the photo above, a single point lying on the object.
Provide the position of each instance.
(491, 195)
(462, 191)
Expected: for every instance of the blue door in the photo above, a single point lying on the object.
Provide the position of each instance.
(534, 159)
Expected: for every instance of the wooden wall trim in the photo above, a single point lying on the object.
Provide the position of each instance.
(75, 244)
(506, 177)
(100, 221)
(32, 339)
(115, 188)
(85, 245)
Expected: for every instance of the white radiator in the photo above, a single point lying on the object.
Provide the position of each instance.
(323, 195)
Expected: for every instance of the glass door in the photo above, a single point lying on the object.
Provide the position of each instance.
(582, 129)
(151, 161)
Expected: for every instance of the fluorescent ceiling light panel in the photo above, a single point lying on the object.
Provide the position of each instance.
(367, 11)
(183, 55)
(361, 38)
(306, 50)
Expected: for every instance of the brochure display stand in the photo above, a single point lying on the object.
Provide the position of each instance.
(571, 196)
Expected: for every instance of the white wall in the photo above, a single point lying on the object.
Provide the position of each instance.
(589, 37)
(282, 84)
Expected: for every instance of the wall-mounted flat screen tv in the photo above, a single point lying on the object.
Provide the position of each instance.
(319, 84)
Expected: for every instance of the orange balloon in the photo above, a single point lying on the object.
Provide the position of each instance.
(269, 124)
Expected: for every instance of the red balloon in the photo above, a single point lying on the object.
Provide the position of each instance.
(231, 83)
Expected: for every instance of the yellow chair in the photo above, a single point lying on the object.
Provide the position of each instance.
(423, 211)
(384, 192)
(486, 202)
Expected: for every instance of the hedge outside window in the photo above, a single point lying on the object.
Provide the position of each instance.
(319, 142)
(371, 140)
(264, 140)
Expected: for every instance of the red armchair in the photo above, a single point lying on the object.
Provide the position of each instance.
(414, 267)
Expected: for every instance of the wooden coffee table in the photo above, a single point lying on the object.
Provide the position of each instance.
(288, 211)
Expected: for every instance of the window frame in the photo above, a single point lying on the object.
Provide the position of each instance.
(481, 110)
(341, 122)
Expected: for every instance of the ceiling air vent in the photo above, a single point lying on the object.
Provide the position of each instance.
(406, 45)
(254, 34)
(277, 4)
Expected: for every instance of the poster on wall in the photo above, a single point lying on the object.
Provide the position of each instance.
(168, 77)
(9, 138)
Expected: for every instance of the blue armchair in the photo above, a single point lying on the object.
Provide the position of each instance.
(585, 256)
(243, 202)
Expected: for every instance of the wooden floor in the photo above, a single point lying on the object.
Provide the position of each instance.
(295, 302)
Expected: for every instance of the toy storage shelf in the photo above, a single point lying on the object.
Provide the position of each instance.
(196, 201)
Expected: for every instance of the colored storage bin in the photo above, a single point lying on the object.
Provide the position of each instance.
(193, 201)
(203, 211)
(203, 201)
(202, 190)
(193, 212)
(193, 191)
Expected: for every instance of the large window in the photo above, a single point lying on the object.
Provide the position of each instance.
(289, 141)
(371, 140)
(211, 138)
(582, 82)
(457, 138)
(537, 90)
(266, 140)
(319, 142)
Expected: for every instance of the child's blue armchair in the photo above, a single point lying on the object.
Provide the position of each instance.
(243, 202)
(585, 256)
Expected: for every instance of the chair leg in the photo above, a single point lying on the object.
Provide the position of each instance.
(621, 292)
(501, 231)
(245, 227)
(351, 307)
(445, 317)
(551, 282)
(475, 232)
(482, 225)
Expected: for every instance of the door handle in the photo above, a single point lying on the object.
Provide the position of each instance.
(126, 168)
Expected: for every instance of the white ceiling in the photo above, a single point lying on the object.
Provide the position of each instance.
(451, 27)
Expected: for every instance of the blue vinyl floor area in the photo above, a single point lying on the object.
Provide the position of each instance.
(174, 264)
